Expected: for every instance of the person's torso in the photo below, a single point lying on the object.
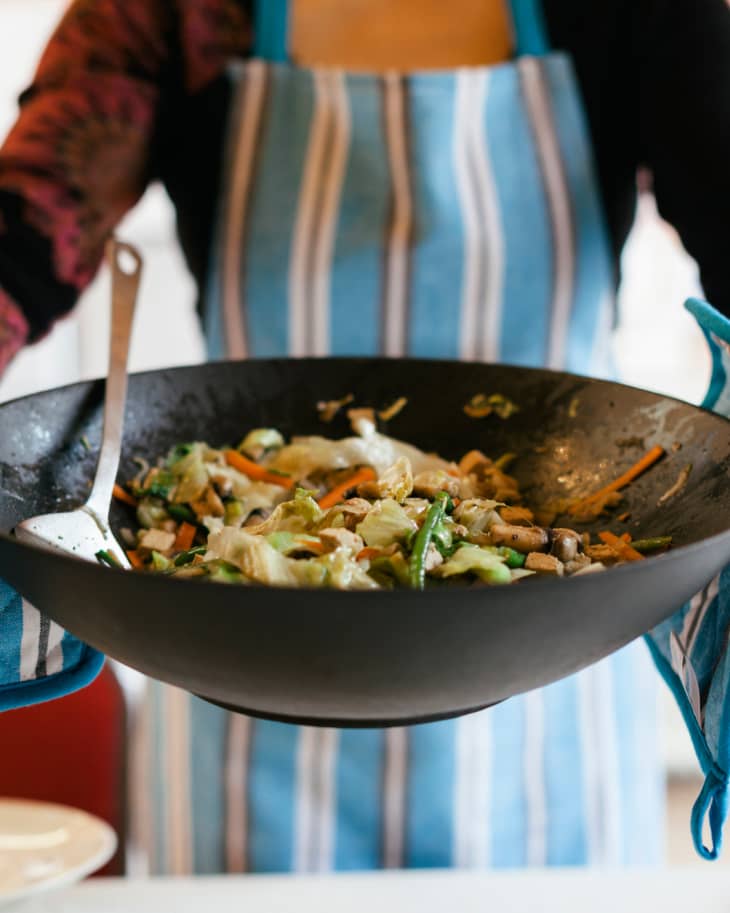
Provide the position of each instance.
(434, 212)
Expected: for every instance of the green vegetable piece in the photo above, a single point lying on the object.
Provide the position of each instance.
(160, 563)
(178, 452)
(233, 512)
(223, 572)
(152, 513)
(393, 567)
(487, 563)
(182, 513)
(386, 523)
(103, 556)
(187, 557)
(259, 441)
(161, 485)
(417, 563)
(651, 545)
(512, 558)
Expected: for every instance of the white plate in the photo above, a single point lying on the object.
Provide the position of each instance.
(44, 846)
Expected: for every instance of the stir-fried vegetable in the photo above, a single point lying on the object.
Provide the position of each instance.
(417, 565)
(363, 512)
(596, 500)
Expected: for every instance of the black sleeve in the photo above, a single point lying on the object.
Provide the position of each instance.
(685, 130)
(655, 81)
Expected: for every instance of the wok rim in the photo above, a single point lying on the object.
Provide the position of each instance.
(628, 567)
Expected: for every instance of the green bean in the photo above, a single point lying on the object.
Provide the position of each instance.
(417, 563)
(651, 545)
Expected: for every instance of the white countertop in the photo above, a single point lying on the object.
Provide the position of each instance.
(695, 890)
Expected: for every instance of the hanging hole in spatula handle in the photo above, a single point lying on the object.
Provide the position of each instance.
(125, 263)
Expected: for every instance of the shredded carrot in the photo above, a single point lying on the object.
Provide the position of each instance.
(367, 553)
(621, 547)
(339, 492)
(254, 471)
(185, 535)
(648, 460)
(134, 558)
(625, 537)
(121, 495)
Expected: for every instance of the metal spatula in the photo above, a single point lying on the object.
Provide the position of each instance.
(85, 532)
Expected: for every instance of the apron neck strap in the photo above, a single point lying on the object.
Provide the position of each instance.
(531, 35)
(271, 29)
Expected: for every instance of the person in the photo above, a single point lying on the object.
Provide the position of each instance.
(399, 177)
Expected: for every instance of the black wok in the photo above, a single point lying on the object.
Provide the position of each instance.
(358, 658)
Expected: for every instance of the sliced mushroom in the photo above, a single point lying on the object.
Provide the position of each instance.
(544, 564)
(565, 544)
(521, 538)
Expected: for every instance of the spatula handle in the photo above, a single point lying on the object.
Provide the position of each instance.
(126, 266)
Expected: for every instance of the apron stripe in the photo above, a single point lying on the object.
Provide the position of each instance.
(696, 615)
(558, 195)
(358, 265)
(249, 107)
(527, 287)
(209, 748)
(359, 792)
(564, 774)
(177, 723)
(139, 786)
(395, 771)
(493, 243)
(431, 773)
(535, 786)
(302, 253)
(591, 247)
(466, 184)
(273, 796)
(602, 793)
(314, 841)
(328, 211)
(437, 252)
(304, 836)
(31, 649)
(237, 758)
(327, 800)
(397, 265)
(54, 650)
(508, 818)
(43, 632)
(472, 792)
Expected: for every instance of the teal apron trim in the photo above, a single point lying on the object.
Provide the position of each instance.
(531, 35)
(271, 29)
(36, 691)
(713, 798)
(711, 323)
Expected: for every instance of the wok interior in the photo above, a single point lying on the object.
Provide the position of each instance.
(571, 436)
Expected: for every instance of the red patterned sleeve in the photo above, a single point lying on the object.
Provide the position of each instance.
(80, 153)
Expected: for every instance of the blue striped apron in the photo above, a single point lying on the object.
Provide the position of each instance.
(446, 214)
